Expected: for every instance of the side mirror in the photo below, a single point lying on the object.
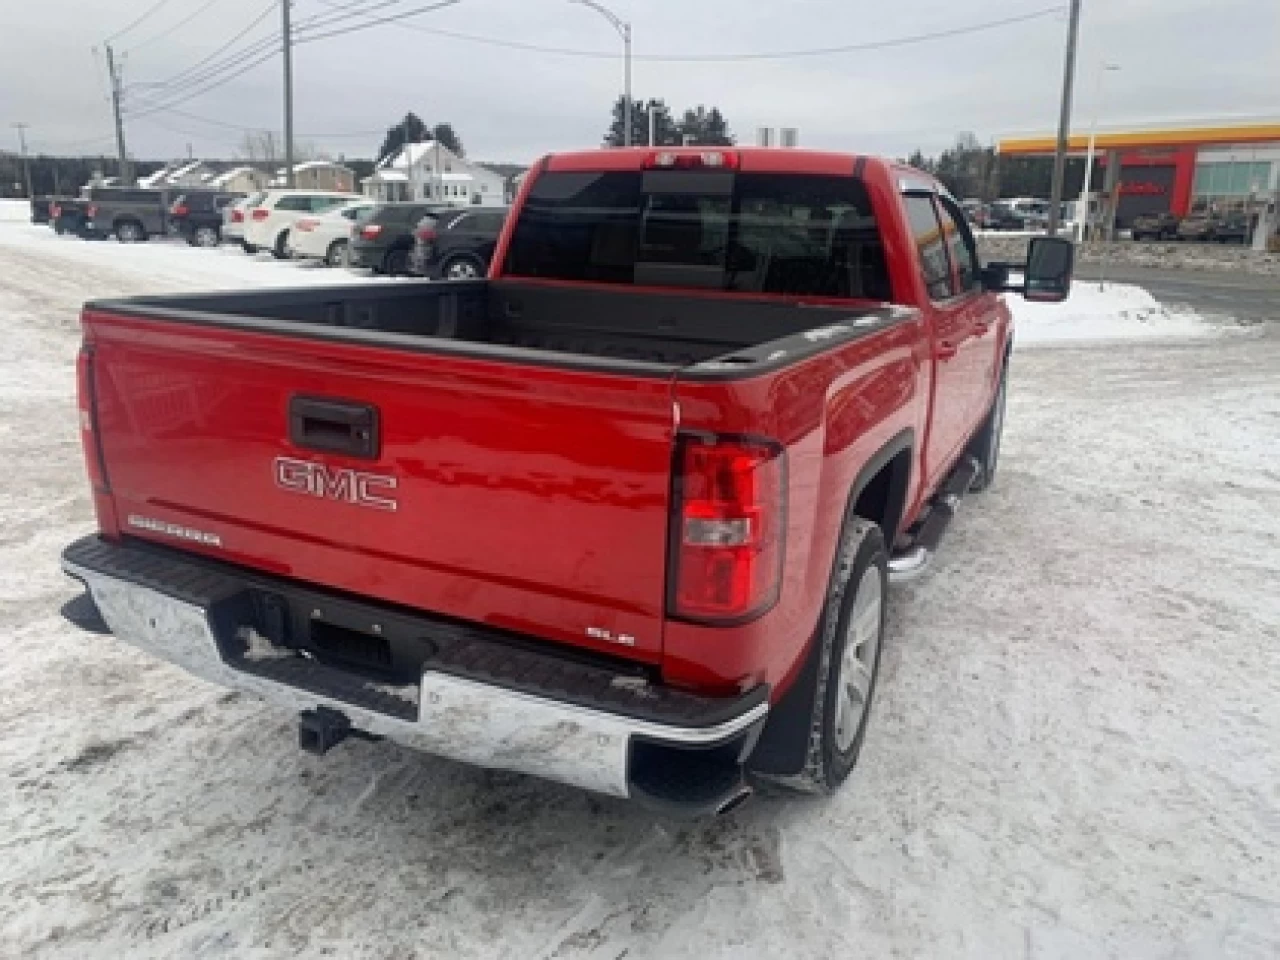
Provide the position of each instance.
(1049, 265)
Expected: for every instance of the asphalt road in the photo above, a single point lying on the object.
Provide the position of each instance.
(1246, 297)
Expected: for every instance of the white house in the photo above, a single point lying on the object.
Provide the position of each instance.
(430, 171)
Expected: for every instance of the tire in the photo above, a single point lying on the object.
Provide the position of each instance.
(130, 231)
(854, 612)
(205, 237)
(985, 445)
(336, 255)
(277, 249)
(462, 268)
(248, 247)
(396, 262)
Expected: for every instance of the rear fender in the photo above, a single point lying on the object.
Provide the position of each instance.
(784, 742)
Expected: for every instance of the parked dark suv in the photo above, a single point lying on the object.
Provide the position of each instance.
(456, 244)
(382, 241)
(197, 217)
(1155, 226)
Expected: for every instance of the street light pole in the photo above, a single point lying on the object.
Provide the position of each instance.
(624, 31)
(26, 161)
(1064, 120)
(286, 34)
(1103, 69)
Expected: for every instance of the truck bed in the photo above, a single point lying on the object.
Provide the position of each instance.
(633, 331)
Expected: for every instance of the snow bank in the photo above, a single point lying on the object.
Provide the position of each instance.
(1117, 311)
(15, 211)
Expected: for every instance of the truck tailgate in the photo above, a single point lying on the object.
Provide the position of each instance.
(528, 497)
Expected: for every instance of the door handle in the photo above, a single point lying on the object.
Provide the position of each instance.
(946, 350)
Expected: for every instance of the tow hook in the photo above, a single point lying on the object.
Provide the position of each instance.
(322, 729)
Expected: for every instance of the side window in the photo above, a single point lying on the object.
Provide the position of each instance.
(292, 203)
(930, 247)
(321, 204)
(960, 246)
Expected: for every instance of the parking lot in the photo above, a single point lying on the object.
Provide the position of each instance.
(1072, 753)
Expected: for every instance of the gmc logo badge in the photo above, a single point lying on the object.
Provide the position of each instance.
(336, 483)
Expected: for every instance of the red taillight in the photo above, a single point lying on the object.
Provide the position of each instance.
(686, 160)
(91, 211)
(425, 235)
(55, 210)
(237, 216)
(261, 213)
(305, 226)
(179, 210)
(729, 528)
(370, 231)
(88, 408)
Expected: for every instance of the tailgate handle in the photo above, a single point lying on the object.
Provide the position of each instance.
(334, 426)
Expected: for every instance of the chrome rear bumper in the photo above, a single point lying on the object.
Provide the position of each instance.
(445, 714)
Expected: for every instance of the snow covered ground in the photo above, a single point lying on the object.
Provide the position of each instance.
(1073, 753)
(1108, 311)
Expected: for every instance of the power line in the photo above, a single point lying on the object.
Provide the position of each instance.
(730, 57)
(266, 12)
(177, 26)
(246, 60)
(148, 12)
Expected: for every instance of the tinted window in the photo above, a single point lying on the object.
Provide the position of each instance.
(929, 246)
(293, 203)
(756, 233)
(405, 213)
(321, 204)
(960, 246)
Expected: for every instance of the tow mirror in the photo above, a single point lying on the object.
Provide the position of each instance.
(1049, 263)
(1045, 277)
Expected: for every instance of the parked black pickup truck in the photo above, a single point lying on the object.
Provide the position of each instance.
(129, 214)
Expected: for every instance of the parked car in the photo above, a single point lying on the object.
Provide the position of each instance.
(40, 209)
(267, 223)
(1155, 226)
(234, 216)
(197, 217)
(1001, 215)
(456, 244)
(383, 240)
(1233, 228)
(68, 215)
(129, 214)
(325, 237)
(623, 515)
(1214, 228)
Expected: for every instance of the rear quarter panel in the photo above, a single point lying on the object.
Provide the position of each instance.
(833, 413)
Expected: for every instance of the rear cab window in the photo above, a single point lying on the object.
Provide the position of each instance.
(784, 234)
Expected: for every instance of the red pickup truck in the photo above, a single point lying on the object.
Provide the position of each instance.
(621, 515)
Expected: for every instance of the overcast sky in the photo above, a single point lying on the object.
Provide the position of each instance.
(1180, 59)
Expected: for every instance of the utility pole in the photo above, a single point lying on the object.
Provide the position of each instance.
(116, 96)
(287, 36)
(26, 162)
(1064, 120)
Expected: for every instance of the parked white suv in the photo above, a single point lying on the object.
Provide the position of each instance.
(267, 225)
(236, 215)
(325, 237)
